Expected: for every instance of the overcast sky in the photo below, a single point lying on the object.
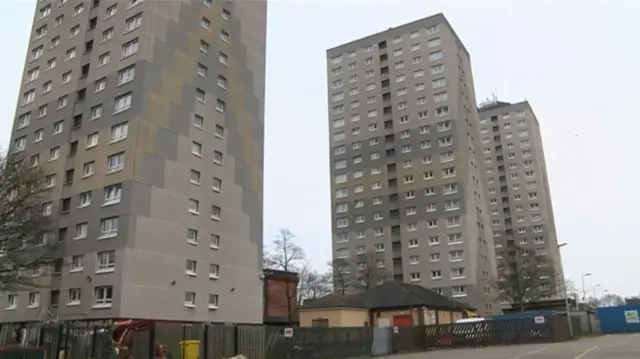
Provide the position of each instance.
(577, 62)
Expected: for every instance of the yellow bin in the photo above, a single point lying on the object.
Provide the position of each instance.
(190, 349)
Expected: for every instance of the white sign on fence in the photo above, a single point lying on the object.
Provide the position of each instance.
(539, 320)
(631, 316)
(288, 332)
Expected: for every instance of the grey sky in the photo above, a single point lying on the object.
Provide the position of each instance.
(573, 60)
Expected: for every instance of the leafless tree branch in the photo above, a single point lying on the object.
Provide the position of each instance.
(27, 243)
(526, 276)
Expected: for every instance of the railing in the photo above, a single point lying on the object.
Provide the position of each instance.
(81, 340)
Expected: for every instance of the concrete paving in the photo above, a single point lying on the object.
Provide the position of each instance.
(623, 346)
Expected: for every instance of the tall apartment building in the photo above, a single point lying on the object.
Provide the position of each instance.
(148, 118)
(516, 179)
(406, 184)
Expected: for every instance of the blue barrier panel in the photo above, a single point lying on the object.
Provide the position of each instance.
(622, 319)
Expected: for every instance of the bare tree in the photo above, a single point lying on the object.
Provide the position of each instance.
(340, 276)
(369, 271)
(526, 276)
(612, 300)
(287, 256)
(27, 243)
(314, 285)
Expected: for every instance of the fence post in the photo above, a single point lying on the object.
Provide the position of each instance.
(41, 336)
(184, 346)
(66, 341)
(236, 342)
(56, 347)
(94, 336)
(205, 341)
(152, 340)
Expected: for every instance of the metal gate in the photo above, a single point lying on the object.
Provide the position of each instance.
(381, 341)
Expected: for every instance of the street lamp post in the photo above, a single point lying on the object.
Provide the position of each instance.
(584, 293)
(566, 299)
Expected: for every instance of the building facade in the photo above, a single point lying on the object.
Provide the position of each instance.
(516, 179)
(406, 180)
(148, 117)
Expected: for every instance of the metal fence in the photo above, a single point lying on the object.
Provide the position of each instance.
(218, 341)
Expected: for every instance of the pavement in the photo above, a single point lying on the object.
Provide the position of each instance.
(620, 346)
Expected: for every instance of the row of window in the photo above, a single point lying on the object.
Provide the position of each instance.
(504, 116)
(507, 125)
(102, 298)
(538, 228)
(421, 100)
(450, 222)
(369, 48)
(105, 263)
(399, 79)
(535, 240)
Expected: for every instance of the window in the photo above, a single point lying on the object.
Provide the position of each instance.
(434, 257)
(436, 274)
(103, 296)
(77, 263)
(106, 261)
(107, 34)
(58, 127)
(224, 36)
(202, 70)
(456, 256)
(435, 56)
(453, 221)
(96, 112)
(415, 277)
(100, 85)
(190, 299)
(24, 120)
(217, 184)
(108, 227)
(85, 199)
(74, 296)
(12, 301)
(111, 11)
(92, 140)
(34, 299)
(115, 162)
(192, 267)
(51, 63)
(133, 22)
(87, 169)
(213, 301)
(130, 48)
(126, 75)
(112, 194)
(216, 212)
(218, 157)
(54, 153)
(204, 46)
(197, 121)
(214, 271)
(433, 42)
(119, 132)
(122, 103)
(223, 58)
(222, 82)
(194, 206)
(63, 101)
(226, 15)
(459, 291)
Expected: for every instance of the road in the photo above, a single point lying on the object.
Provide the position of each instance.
(623, 346)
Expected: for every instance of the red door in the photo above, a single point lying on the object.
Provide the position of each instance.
(402, 321)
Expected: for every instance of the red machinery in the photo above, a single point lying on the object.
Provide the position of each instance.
(123, 338)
